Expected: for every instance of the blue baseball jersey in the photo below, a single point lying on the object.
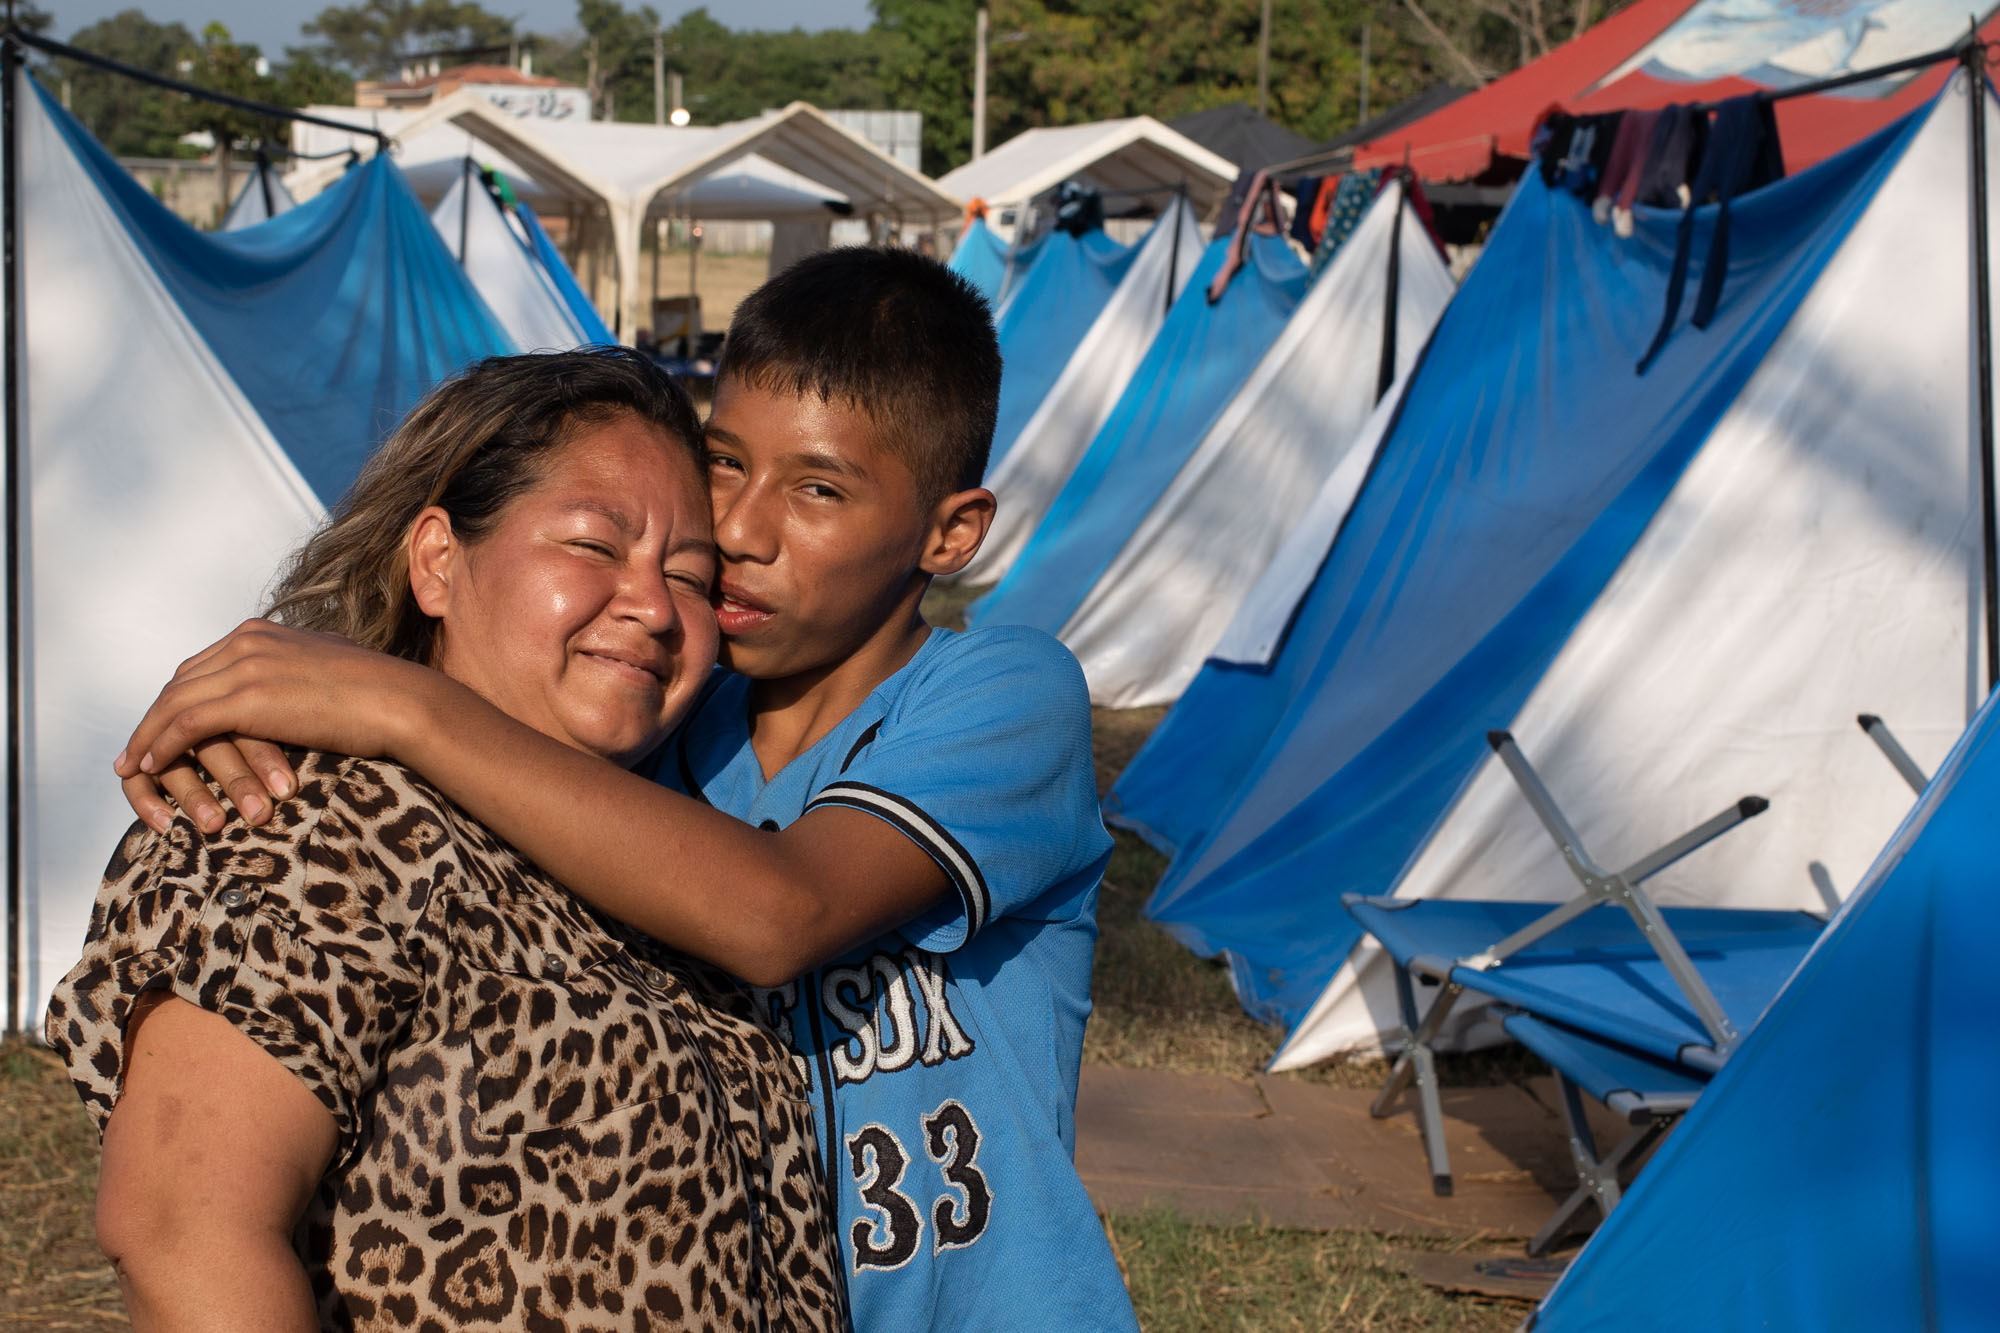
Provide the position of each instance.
(944, 1056)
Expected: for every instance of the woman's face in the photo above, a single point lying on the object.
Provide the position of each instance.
(585, 611)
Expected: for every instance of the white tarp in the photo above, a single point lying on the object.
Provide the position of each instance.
(1146, 626)
(1819, 558)
(160, 505)
(495, 257)
(1028, 479)
(262, 198)
(1134, 154)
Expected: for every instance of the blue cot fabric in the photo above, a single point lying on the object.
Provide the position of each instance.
(1841, 1172)
(944, 1056)
(1602, 1069)
(1048, 312)
(1527, 460)
(981, 259)
(595, 330)
(333, 318)
(1597, 973)
(1197, 362)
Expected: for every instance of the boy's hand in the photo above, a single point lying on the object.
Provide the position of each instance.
(263, 680)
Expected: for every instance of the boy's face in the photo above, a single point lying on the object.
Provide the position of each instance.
(821, 530)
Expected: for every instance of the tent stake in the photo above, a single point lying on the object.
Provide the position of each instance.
(10, 286)
(1982, 322)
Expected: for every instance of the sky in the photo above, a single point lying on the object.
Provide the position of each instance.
(274, 24)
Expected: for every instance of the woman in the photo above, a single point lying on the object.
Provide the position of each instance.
(365, 1067)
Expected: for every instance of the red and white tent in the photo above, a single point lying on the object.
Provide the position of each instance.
(1658, 52)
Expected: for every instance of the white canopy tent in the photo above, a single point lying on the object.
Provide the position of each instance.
(1135, 155)
(630, 173)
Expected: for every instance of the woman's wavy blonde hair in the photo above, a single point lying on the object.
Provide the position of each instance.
(472, 445)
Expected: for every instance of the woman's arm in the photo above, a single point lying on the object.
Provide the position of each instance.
(764, 906)
(210, 1158)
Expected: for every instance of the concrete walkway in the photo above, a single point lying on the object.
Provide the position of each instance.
(1299, 1154)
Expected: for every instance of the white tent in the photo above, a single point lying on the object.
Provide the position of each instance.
(1134, 155)
(1148, 623)
(262, 198)
(629, 172)
(1028, 479)
(139, 452)
(480, 235)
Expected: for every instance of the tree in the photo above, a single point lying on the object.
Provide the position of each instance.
(373, 39)
(222, 65)
(130, 118)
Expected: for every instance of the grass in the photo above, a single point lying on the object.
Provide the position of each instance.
(1157, 1006)
(1187, 1278)
(51, 1274)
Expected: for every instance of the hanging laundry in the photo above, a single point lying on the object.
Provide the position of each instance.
(1357, 190)
(1323, 205)
(1232, 207)
(1555, 148)
(1260, 210)
(1680, 141)
(1620, 184)
(1305, 194)
(1743, 154)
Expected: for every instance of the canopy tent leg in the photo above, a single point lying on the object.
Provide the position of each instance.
(10, 285)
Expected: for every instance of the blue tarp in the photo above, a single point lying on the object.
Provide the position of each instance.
(1841, 1172)
(333, 318)
(1050, 308)
(981, 259)
(580, 308)
(1527, 460)
(1195, 365)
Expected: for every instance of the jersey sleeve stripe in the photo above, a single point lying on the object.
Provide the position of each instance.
(927, 833)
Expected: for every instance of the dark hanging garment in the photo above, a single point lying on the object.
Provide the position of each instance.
(1620, 182)
(1680, 137)
(1556, 148)
(1304, 195)
(1743, 154)
(1232, 207)
(1260, 211)
(1078, 209)
(1357, 190)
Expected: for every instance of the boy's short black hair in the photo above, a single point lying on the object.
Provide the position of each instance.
(898, 336)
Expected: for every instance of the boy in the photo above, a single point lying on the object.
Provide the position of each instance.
(912, 863)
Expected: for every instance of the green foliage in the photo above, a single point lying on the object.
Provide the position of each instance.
(370, 40)
(128, 117)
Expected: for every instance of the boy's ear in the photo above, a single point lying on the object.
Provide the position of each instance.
(958, 526)
(431, 550)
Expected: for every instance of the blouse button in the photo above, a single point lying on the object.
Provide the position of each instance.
(655, 978)
(232, 897)
(555, 969)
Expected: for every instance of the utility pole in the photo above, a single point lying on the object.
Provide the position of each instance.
(979, 85)
(659, 78)
(1264, 60)
(1364, 73)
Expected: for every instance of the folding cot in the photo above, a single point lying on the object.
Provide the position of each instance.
(1615, 1003)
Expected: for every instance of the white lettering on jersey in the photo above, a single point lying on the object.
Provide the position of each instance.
(882, 1028)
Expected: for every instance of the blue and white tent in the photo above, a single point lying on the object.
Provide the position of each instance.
(1050, 306)
(1840, 1173)
(1041, 454)
(980, 257)
(190, 403)
(1199, 359)
(491, 244)
(1144, 627)
(1674, 588)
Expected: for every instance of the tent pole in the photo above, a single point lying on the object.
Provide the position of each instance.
(1174, 254)
(264, 183)
(464, 206)
(1392, 293)
(1982, 318)
(10, 286)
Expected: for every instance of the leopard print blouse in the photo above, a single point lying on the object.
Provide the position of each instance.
(546, 1120)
